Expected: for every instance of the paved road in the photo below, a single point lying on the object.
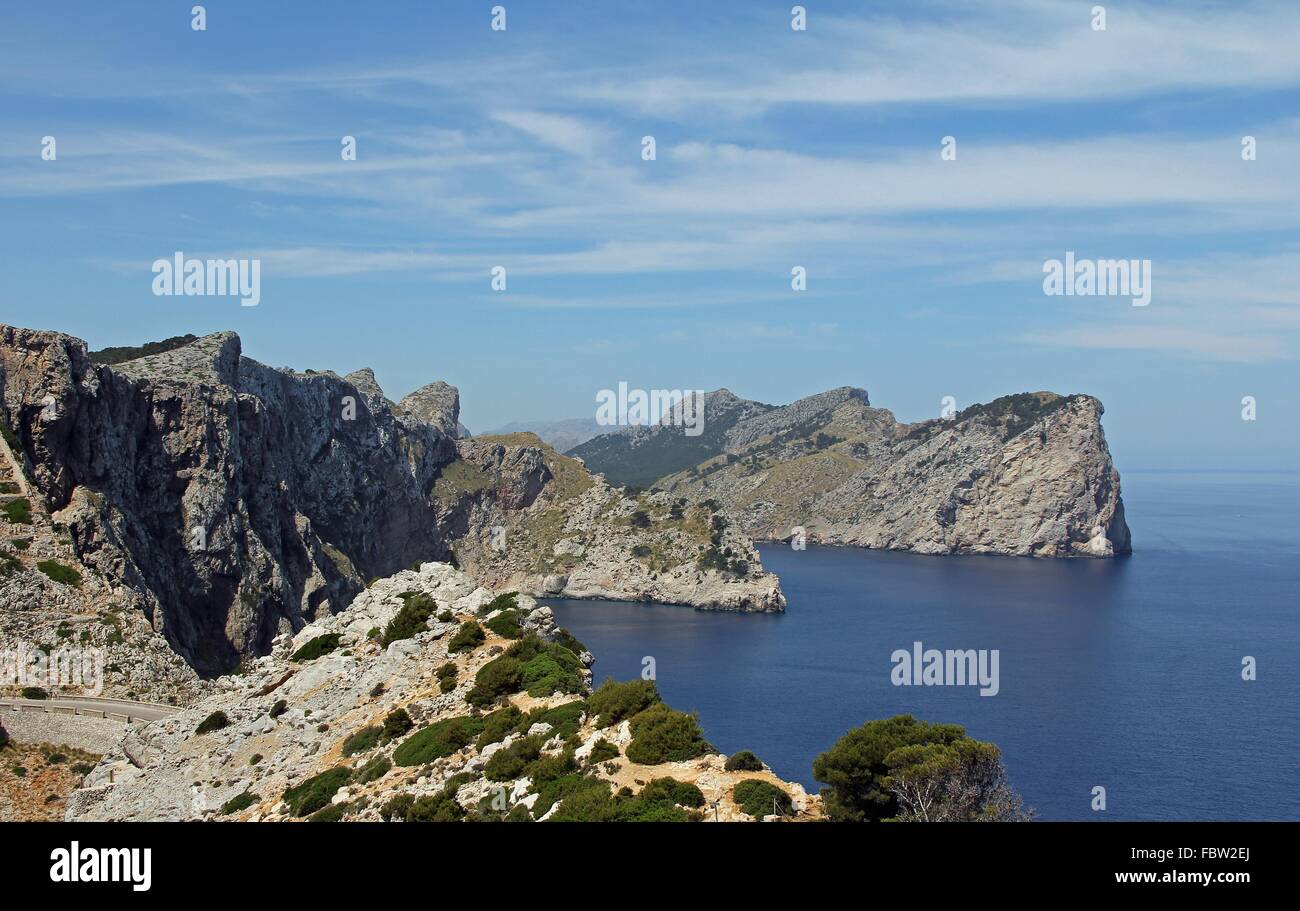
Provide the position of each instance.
(92, 706)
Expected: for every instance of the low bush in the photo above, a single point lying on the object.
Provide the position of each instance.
(498, 724)
(614, 702)
(467, 637)
(744, 761)
(760, 798)
(568, 640)
(362, 741)
(64, 575)
(214, 722)
(602, 751)
(509, 763)
(447, 677)
(504, 601)
(373, 770)
(442, 738)
(446, 616)
(315, 793)
(34, 692)
(315, 648)
(661, 734)
(281, 706)
(506, 625)
(19, 511)
(396, 723)
(673, 791)
(333, 813)
(413, 618)
(499, 677)
(237, 803)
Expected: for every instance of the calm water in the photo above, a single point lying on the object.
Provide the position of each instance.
(1125, 673)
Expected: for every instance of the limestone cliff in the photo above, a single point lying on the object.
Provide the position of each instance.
(1027, 474)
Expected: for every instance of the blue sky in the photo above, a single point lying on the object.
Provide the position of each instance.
(775, 148)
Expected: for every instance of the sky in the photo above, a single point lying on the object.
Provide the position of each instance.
(775, 148)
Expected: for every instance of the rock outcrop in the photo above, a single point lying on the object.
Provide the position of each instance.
(1026, 474)
(363, 730)
(237, 502)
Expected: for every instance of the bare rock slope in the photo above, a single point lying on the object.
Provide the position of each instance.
(1026, 474)
(429, 698)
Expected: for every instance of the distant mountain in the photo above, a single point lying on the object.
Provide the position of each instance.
(639, 456)
(1026, 474)
(560, 435)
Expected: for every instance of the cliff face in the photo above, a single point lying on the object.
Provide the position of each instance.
(233, 502)
(527, 518)
(1027, 474)
(239, 500)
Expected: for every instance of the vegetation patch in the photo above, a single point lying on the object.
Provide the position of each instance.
(602, 751)
(447, 677)
(238, 803)
(122, 354)
(214, 722)
(315, 648)
(442, 738)
(64, 575)
(506, 625)
(470, 635)
(759, 798)
(19, 511)
(744, 761)
(413, 618)
(316, 792)
(614, 702)
(661, 734)
(672, 791)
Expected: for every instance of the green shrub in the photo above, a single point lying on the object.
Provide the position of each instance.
(446, 616)
(503, 602)
(214, 722)
(447, 677)
(396, 723)
(82, 768)
(509, 763)
(374, 770)
(555, 670)
(498, 724)
(281, 706)
(315, 792)
(333, 813)
(442, 738)
(12, 439)
(21, 543)
(673, 791)
(255, 759)
(64, 575)
(34, 692)
(564, 719)
(757, 798)
(557, 789)
(436, 808)
(467, 637)
(660, 734)
(602, 751)
(4, 736)
(566, 639)
(362, 741)
(506, 625)
(238, 803)
(499, 677)
(315, 648)
(614, 702)
(548, 768)
(397, 807)
(744, 761)
(413, 618)
(19, 511)
(596, 803)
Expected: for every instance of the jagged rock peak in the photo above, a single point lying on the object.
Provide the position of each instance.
(437, 404)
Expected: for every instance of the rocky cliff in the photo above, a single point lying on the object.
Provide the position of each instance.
(1026, 474)
(428, 699)
(236, 502)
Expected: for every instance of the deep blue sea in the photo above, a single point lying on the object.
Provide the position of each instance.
(1121, 673)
